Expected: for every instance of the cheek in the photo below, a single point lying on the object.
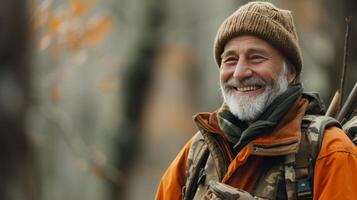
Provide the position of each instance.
(269, 70)
(266, 75)
(224, 75)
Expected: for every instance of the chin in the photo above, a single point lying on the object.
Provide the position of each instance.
(247, 107)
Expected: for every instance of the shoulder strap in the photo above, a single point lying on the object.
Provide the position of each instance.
(196, 159)
(313, 129)
(204, 147)
(350, 128)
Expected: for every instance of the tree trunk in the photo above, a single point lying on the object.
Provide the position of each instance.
(15, 155)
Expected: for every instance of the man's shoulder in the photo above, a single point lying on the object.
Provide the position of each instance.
(335, 167)
(335, 141)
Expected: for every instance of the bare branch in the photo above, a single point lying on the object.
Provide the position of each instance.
(345, 57)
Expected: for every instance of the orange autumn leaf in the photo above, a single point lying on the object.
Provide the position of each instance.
(53, 25)
(78, 8)
(72, 40)
(95, 31)
(68, 29)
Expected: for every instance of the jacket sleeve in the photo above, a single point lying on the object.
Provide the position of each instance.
(335, 175)
(174, 178)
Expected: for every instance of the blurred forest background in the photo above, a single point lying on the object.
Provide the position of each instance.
(96, 96)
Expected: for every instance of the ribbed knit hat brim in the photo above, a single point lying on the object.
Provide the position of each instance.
(263, 20)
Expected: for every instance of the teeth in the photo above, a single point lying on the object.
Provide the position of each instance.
(247, 88)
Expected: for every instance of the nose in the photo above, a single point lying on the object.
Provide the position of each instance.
(242, 70)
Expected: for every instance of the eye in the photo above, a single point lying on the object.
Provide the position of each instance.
(256, 58)
(230, 60)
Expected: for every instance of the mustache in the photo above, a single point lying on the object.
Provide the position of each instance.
(245, 82)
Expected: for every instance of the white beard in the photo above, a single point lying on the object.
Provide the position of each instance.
(249, 108)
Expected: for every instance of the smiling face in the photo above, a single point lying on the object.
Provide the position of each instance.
(252, 74)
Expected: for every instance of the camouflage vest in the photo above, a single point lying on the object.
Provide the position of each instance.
(290, 177)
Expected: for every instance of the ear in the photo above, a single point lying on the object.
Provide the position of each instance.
(291, 73)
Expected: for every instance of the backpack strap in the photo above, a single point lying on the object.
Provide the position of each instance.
(350, 128)
(290, 176)
(297, 169)
(205, 152)
(196, 160)
(218, 155)
(313, 129)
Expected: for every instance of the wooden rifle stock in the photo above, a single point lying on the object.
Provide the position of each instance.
(334, 105)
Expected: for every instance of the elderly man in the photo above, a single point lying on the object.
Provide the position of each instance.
(263, 142)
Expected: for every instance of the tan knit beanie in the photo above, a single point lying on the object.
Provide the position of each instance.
(264, 20)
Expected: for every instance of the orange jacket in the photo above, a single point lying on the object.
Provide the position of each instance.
(335, 174)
